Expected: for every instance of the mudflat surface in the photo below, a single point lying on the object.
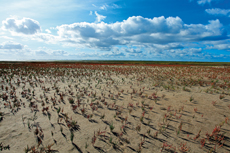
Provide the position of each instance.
(114, 108)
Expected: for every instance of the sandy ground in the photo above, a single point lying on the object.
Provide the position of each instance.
(130, 109)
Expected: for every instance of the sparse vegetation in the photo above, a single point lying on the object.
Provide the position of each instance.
(158, 102)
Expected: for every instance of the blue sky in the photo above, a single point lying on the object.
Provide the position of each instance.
(168, 30)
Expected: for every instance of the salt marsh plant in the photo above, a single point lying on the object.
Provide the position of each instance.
(111, 126)
(71, 101)
(71, 136)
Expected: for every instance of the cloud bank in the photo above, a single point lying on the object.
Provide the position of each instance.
(138, 30)
(137, 37)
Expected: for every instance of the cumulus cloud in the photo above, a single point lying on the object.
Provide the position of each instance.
(156, 36)
(219, 45)
(99, 17)
(25, 26)
(218, 11)
(11, 45)
(138, 30)
(198, 32)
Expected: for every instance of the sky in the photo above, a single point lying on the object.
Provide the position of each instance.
(153, 30)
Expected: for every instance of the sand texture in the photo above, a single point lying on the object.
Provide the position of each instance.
(114, 108)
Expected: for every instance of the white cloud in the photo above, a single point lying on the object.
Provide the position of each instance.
(199, 32)
(104, 7)
(157, 36)
(161, 47)
(46, 37)
(115, 6)
(21, 52)
(6, 37)
(25, 26)
(178, 54)
(219, 45)
(11, 45)
(59, 53)
(114, 53)
(83, 54)
(112, 6)
(132, 50)
(95, 55)
(218, 11)
(99, 17)
(138, 30)
(41, 53)
(194, 50)
(91, 13)
(49, 52)
(48, 31)
(201, 2)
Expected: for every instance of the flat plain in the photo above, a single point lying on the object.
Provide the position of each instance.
(107, 107)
